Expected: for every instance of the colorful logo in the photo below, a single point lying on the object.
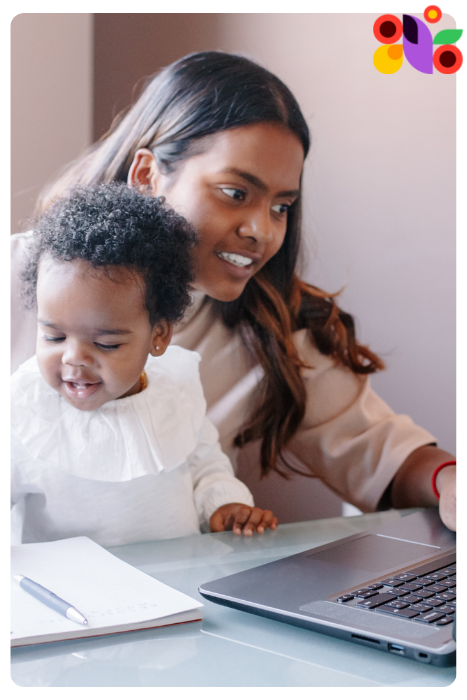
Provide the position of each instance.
(417, 44)
(417, 47)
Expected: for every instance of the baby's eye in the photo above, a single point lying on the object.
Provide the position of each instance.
(53, 339)
(101, 346)
(281, 208)
(234, 193)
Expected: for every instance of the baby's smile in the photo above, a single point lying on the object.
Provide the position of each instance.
(79, 390)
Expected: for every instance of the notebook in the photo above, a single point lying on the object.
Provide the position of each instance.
(111, 594)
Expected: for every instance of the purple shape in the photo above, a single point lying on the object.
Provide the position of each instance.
(419, 55)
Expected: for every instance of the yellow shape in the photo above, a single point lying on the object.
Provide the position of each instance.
(395, 51)
(388, 58)
(432, 14)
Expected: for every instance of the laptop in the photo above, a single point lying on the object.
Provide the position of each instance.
(392, 588)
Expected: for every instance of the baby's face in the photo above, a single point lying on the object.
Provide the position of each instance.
(94, 334)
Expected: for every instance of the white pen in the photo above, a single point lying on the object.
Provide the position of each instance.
(50, 599)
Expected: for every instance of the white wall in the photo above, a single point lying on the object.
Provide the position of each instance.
(51, 105)
(379, 195)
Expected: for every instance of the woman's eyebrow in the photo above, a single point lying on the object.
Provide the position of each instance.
(258, 183)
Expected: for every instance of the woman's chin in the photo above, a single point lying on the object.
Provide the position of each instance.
(223, 291)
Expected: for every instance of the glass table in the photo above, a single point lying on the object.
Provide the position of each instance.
(228, 648)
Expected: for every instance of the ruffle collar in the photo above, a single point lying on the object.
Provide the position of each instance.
(148, 433)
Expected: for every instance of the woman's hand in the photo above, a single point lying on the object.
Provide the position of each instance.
(241, 518)
(446, 485)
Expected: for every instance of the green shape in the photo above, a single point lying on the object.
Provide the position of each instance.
(448, 36)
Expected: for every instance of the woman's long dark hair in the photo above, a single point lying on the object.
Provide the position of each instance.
(199, 95)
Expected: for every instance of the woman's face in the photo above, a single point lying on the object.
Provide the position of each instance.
(237, 194)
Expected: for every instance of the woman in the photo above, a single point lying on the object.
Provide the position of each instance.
(224, 141)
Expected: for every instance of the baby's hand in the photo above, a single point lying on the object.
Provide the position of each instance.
(239, 517)
(452, 487)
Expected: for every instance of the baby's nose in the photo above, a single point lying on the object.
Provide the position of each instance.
(77, 354)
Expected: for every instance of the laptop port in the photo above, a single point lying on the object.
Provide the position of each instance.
(365, 639)
(396, 649)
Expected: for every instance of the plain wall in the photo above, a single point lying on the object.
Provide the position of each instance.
(51, 101)
(379, 190)
(130, 46)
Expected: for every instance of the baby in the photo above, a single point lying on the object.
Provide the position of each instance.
(110, 437)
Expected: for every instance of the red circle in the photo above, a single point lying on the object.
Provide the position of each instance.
(447, 59)
(439, 14)
(387, 29)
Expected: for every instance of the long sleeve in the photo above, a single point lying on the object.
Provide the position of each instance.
(214, 483)
(349, 437)
(144, 467)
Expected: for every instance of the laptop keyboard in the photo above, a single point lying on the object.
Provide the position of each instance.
(425, 594)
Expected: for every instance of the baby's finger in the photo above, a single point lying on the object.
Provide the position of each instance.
(241, 516)
(216, 522)
(256, 515)
(268, 520)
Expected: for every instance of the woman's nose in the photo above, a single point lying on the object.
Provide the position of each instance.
(77, 354)
(257, 225)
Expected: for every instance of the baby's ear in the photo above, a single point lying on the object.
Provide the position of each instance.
(161, 337)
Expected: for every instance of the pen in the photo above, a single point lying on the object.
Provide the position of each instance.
(50, 599)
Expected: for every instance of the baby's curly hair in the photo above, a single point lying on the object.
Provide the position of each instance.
(111, 224)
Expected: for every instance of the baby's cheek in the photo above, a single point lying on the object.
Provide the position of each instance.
(49, 365)
(118, 378)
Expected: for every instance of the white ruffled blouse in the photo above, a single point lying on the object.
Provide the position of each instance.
(147, 466)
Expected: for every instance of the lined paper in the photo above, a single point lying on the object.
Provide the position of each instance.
(107, 591)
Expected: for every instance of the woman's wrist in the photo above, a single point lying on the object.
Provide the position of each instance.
(413, 485)
(443, 474)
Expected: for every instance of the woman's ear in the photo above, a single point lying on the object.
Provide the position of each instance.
(144, 173)
(161, 337)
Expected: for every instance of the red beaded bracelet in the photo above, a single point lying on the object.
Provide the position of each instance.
(435, 474)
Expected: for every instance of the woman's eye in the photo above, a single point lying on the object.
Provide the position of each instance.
(101, 346)
(234, 193)
(281, 208)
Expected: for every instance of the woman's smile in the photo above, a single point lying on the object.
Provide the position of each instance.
(240, 265)
(236, 259)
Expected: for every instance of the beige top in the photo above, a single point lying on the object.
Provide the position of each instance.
(349, 437)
